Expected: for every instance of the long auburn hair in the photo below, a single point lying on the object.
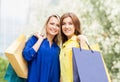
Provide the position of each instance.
(75, 21)
(56, 39)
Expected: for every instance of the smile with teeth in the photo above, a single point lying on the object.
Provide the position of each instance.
(68, 30)
(53, 30)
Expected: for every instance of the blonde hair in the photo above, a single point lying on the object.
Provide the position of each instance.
(57, 38)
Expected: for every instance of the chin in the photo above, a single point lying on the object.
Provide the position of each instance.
(53, 34)
(67, 34)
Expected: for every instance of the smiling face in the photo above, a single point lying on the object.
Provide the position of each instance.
(53, 26)
(68, 27)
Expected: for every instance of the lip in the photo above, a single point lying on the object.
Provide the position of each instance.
(67, 30)
(53, 30)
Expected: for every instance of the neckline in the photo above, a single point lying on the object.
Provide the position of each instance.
(50, 46)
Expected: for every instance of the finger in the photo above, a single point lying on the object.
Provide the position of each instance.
(42, 35)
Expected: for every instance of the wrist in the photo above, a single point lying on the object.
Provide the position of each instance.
(40, 39)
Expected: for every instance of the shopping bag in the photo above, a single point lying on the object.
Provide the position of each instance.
(11, 75)
(89, 66)
(14, 55)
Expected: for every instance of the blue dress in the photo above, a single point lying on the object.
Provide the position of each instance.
(43, 65)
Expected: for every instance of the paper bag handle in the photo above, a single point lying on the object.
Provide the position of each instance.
(87, 45)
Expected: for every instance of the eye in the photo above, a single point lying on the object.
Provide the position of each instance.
(52, 23)
(63, 23)
(70, 23)
(58, 25)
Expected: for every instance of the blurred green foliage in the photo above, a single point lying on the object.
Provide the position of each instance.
(105, 13)
(3, 67)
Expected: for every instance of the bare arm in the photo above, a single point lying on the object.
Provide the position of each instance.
(38, 43)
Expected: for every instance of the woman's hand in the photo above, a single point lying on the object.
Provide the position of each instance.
(39, 36)
(82, 39)
(60, 79)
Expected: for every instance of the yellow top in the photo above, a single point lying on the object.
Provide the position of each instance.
(66, 59)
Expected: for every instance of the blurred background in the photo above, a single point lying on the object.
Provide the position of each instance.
(100, 22)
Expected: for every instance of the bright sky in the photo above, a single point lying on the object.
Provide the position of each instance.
(13, 15)
(14, 8)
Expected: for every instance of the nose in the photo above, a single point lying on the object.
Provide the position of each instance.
(66, 26)
(54, 26)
